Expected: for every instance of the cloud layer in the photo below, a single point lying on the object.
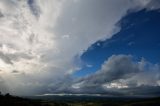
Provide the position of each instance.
(42, 41)
(122, 74)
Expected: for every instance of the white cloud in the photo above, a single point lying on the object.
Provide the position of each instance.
(89, 65)
(115, 85)
(42, 40)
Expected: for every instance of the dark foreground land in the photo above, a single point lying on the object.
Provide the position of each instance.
(8, 100)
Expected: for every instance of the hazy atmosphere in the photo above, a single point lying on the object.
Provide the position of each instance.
(89, 47)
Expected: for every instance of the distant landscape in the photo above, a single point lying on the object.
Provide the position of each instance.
(8, 100)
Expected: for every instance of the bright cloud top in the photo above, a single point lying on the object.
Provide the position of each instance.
(42, 40)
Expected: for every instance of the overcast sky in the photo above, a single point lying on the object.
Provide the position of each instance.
(108, 47)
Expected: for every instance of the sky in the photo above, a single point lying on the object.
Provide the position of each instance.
(104, 47)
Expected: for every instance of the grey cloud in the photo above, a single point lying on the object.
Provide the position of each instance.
(137, 77)
(9, 58)
(18, 56)
(32, 38)
(1, 14)
(89, 21)
(15, 71)
(35, 9)
(5, 58)
(154, 4)
(114, 68)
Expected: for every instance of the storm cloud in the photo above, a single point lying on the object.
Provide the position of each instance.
(44, 40)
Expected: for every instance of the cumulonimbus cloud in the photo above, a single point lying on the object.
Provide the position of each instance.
(41, 39)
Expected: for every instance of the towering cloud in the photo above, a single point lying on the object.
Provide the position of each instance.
(43, 39)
